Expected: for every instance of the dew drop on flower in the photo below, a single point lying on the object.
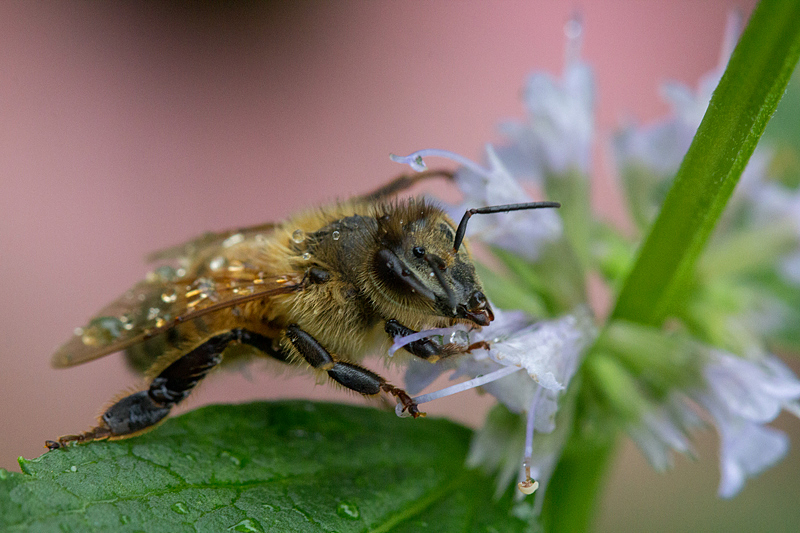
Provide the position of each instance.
(459, 337)
(306, 256)
(298, 236)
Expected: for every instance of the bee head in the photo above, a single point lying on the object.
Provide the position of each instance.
(416, 268)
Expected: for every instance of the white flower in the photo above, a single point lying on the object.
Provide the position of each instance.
(549, 352)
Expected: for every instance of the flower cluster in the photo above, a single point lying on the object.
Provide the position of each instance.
(711, 363)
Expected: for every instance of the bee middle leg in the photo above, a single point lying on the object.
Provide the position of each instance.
(352, 376)
(141, 411)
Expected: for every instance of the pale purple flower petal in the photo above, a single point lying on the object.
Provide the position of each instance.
(755, 391)
(746, 450)
(664, 429)
(740, 396)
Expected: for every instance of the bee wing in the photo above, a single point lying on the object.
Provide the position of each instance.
(154, 307)
(208, 240)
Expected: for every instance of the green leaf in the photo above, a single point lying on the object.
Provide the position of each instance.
(745, 99)
(283, 466)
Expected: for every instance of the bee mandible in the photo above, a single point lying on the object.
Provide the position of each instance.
(323, 289)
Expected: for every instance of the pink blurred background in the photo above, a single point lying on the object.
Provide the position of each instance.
(127, 128)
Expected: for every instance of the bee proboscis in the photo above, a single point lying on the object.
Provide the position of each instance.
(322, 289)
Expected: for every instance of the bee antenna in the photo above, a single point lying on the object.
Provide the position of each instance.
(462, 226)
(437, 264)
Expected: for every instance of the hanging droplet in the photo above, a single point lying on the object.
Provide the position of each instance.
(298, 236)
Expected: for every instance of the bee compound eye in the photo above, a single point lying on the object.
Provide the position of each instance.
(418, 251)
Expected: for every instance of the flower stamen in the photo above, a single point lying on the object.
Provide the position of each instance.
(461, 387)
(528, 485)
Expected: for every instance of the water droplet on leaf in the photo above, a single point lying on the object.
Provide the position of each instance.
(247, 526)
(179, 507)
(348, 510)
(232, 458)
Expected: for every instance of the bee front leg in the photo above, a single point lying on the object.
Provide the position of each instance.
(352, 376)
(425, 348)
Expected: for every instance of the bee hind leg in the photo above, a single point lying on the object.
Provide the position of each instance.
(142, 410)
(350, 375)
(401, 183)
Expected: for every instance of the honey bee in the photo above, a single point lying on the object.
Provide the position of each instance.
(322, 289)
